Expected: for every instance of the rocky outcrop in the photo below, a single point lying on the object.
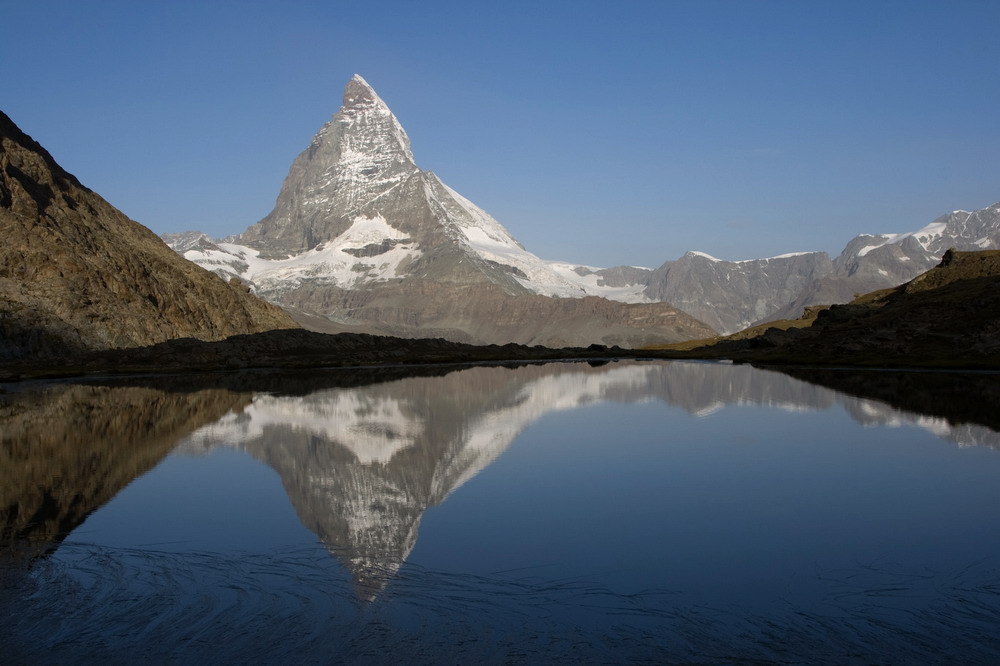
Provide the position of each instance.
(77, 274)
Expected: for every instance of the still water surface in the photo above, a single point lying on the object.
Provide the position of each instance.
(662, 512)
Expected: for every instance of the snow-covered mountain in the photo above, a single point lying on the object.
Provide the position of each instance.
(329, 223)
(364, 238)
(732, 295)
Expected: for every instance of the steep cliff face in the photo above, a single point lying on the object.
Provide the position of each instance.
(77, 274)
(363, 237)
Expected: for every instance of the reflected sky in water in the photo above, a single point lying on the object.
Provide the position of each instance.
(624, 511)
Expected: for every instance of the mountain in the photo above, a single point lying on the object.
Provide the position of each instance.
(367, 240)
(948, 316)
(731, 295)
(76, 274)
(871, 262)
(363, 237)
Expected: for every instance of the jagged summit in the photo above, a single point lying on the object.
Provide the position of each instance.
(358, 156)
(358, 93)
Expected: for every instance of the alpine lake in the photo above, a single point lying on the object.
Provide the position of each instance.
(637, 512)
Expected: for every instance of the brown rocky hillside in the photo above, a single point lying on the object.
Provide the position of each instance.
(77, 274)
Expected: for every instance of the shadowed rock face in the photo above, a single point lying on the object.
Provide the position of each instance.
(367, 240)
(76, 274)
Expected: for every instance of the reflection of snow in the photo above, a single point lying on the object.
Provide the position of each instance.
(873, 414)
(375, 425)
(361, 465)
(373, 428)
(711, 409)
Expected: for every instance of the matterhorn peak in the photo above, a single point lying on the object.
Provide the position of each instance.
(362, 236)
(359, 94)
(356, 158)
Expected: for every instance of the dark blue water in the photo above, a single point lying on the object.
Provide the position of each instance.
(661, 512)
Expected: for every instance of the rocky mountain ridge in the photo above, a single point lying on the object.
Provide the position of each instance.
(871, 262)
(733, 295)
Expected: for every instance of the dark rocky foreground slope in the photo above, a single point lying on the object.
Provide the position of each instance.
(294, 349)
(76, 274)
(948, 317)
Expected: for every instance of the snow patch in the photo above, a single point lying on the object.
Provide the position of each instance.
(329, 263)
(488, 239)
(373, 428)
(924, 237)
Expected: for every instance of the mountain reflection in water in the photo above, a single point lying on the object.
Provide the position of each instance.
(361, 465)
(363, 456)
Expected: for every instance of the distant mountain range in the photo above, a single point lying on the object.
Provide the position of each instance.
(732, 295)
(948, 316)
(361, 239)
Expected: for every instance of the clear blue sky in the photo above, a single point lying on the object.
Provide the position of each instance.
(597, 132)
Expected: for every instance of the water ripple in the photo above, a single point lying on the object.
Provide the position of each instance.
(116, 606)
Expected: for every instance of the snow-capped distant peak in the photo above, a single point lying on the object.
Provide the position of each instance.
(789, 255)
(703, 255)
(370, 250)
(924, 237)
